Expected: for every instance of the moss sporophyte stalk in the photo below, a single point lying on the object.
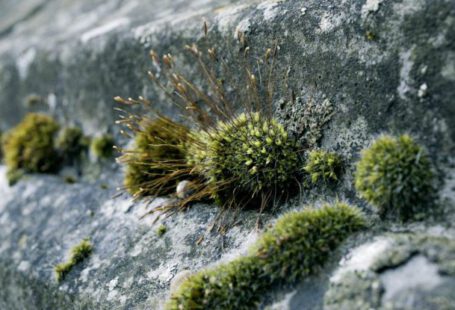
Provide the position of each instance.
(297, 245)
(234, 151)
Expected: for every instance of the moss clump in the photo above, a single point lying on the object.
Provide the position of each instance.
(394, 174)
(161, 230)
(30, 145)
(71, 142)
(323, 166)
(77, 254)
(103, 146)
(158, 152)
(251, 154)
(296, 246)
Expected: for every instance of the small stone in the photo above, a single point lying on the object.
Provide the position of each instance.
(185, 189)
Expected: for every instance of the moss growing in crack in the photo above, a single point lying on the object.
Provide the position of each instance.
(29, 147)
(323, 166)
(103, 147)
(159, 150)
(251, 154)
(161, 230)
(297, 245)
(71, 142)
(394, 174)
(77, 254)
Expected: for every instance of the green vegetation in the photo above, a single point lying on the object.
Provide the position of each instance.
(72, 142)
(297, 245)
(323, 166)
(29, 147)
(77, 254)
(394, 174)
(251, 154)
(103, 147)
(161, 230)
(158, 152)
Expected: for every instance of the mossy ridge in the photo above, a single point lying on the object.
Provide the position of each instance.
(323, 166)
(394, 174)
(297, 245)
(153, 164)
(77, 254)
(30, 146)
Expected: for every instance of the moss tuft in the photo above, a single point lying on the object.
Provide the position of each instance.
(394, 174)
(103, 147)
(72, 142)
(323, 166)
(297, 245)
(159, 149)
(30, 145)
(251, 154)
(77, 254)
(161, 230)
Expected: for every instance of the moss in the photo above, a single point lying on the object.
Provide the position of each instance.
(30, 145)
(159, 149)
(297, 245)
(394, 174)
(77, 254)
(72, 142)
(1, 146)
(251, 154)
(103, 147)
(69, 179)
(323, 166)
(161, 230)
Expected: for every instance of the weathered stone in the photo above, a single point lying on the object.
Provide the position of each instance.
(381, 66)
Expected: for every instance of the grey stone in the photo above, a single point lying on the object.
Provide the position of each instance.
(381, 67)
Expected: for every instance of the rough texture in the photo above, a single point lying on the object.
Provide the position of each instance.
(359, 67)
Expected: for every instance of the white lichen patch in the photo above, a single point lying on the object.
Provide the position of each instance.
(24, 62)
(348, 140)
(448, 70)
(405, 73)
(103, 29)
(400, 280)
(361, 258)
(370, 6)
(270, 9)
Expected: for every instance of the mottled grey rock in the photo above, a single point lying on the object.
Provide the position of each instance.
(375, 65)
(400, 271)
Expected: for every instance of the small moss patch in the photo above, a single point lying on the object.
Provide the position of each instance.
(161, 230)
(394, 175)
(77, 254)
(30, 145)
(103, 147)
(159, 151)
(297, 245)
(71, 142)
(323, 166)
